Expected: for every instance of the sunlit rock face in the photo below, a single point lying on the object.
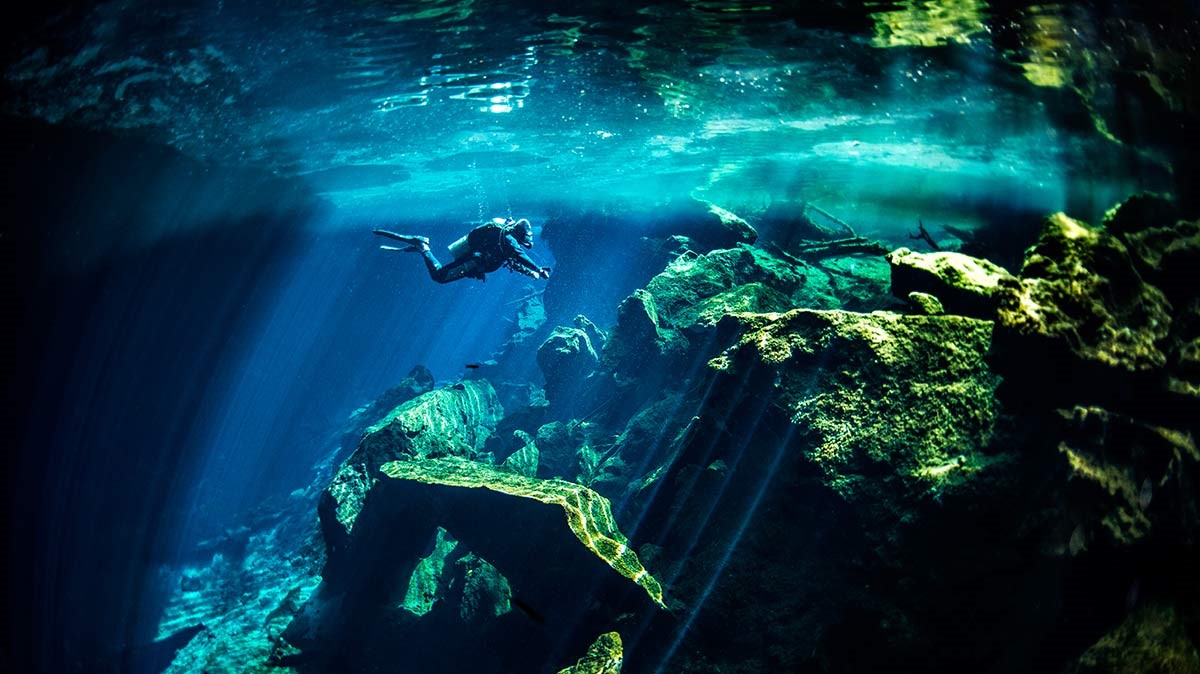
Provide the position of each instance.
(844, 443)
(452, 421)
(962, 284)
(1082, 309)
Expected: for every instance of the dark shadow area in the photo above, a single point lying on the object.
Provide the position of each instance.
(108, 368)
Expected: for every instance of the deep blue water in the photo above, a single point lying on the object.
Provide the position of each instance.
(196, 303)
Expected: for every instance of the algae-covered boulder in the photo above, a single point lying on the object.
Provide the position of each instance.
(965, 285)
(829, 452)
(1165, 247)
(1128, 479)
(657, 325)
(418, 381)
(581, 511)
(638, 340)
(525, 460)
(451, 421)
(1080, 316)
(568, 356)
(501, 542)
(604, 656)
(926, 304)
(917, 388)
(1151, 640)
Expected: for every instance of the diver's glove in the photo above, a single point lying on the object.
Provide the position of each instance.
(544, 272)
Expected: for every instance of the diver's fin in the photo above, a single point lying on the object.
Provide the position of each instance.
(404, 238)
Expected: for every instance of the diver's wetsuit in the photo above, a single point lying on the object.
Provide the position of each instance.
(490, 247)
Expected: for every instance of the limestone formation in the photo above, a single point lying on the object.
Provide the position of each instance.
(567, 357)
(451, 421)
(1151, 640)
(916, 387)
(524, 461)
(926, 304)
(1080, 315)
(418, 381)
(588, 515)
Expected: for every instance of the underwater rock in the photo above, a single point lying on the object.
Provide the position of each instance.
(552, 544)
(925, 304)
(858, 282)
(657, 326)
(418, 381)
(964, 285)
(450, 421)
(604, 656)
(524, 461)
(588, 515)
(557, 444)
(1152, 640)
(567, 357)
(917, 388)
(485, 592)
(637, 340)
(1128, 478)
(1165, 248)
(832, 453)
(429, 579)
(1080, 318)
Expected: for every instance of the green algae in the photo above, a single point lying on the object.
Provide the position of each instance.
(916, 387)
(426, 580)
(604, 656)
(589, 515)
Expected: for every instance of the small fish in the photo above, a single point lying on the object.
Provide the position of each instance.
(1146, 493)
(473, 366)
(528, 610)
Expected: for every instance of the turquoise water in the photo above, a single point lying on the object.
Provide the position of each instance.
(206, 325)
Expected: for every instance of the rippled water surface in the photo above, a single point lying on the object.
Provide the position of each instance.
(938, 106)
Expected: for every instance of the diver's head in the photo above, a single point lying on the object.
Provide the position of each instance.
(522, 231)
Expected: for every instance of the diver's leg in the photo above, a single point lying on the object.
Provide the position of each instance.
(415, 241)
(450, 272)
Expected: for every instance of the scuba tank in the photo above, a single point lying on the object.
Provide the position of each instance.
(460, 249)
(482, 241)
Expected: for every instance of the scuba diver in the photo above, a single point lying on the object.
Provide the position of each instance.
(483, 250)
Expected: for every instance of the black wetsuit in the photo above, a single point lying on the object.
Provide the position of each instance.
(490, 246)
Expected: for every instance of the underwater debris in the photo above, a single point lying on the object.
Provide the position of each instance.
(924, 235)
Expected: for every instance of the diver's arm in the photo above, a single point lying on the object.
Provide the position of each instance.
(518, 255)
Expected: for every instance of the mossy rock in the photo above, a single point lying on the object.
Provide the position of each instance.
(568, 356)
(1080, 323)
(965, 285)
(588, 515)
(656, 325)
(1151, 640)
(451, 421)
(604, 656)
(916, 387)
